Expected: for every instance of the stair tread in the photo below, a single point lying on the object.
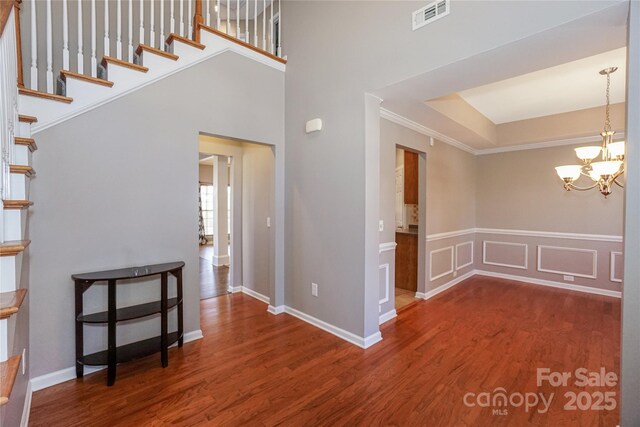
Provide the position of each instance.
(29, 142)
(240, 42)
(13, 247)
(66, 74)
(27, 119)
(23, 169)
(144, 47)
(8, 374)
(16, 204)
(44, 95)
(174, 36)
(10, 302)
(108, 59)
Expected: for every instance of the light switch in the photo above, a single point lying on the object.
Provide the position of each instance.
(381, 225)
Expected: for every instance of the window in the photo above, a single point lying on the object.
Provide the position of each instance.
(206, 193)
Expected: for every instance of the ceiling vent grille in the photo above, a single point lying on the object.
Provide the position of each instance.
(429, 13)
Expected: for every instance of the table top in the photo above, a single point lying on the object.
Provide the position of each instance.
(129, 273)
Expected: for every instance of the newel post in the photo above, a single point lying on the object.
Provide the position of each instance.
(18, 42)
(197, 21)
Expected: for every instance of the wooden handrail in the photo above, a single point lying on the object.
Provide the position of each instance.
(198, 19)
(5, 11)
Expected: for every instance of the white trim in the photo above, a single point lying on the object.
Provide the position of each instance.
(339, 332)
(551, 234)
(233, 47)
(450, 234)
(275, 310)
(387, 316)
(431, 278)
(386, 247)
(459, 267)
(220, 260)
(432, 293)
(612, 267)
(521, 267)
(552, 284)
(594, 267)
(47, 380)
(546, 144)
(386, 283)
(403, 121)
(26, 409)
(234, 289)
(256, 295)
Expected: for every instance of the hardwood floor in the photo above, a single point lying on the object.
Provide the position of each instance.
(254, 368)
(403, 298)
(213, 280)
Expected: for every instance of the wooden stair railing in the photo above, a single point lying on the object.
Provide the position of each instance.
(10, 302)
(8, 373)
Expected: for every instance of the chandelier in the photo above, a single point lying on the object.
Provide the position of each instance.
(604, 172)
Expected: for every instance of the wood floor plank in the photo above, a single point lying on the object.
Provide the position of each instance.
(253, 368)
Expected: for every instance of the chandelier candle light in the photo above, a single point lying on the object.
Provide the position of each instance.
(603, 173)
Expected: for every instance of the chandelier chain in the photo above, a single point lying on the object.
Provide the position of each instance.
(607, 121)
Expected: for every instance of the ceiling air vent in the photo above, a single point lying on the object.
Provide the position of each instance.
(429, 13)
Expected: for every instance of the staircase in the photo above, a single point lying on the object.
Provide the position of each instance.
(24, 111)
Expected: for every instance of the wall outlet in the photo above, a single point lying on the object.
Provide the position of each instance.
(314, 289)
(568, 278)
(381, 225)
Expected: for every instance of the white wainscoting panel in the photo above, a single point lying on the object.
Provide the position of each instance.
(444, 273)
(614, 264)
(587, 257)
(486, 245)
(385, 267)
(470, 261)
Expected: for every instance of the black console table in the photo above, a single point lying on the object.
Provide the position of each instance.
(114, 355)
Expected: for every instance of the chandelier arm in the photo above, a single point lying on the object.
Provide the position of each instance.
(575, 187)
(616, 181)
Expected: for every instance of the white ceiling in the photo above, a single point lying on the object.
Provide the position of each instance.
(568, 87)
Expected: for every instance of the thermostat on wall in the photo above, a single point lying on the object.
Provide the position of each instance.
(314, 125)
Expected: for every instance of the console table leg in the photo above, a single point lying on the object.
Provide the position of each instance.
(164, 351)
(111, 373)
(79, 331)
(180, 309)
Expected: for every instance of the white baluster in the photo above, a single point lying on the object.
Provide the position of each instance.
(228, 29)
(246, 21)
(172, 22)
(182, 18)
(49, 50)
(161, 42)
(34, 48)
(142, 21)
(118, 29)
(264, 24)
(80, 41)
(189, 20)
(152, 25)
(218, 15)
(65, 36)
(255, 23)
(271, 40)
(94, 60)
(208, 13)
(279, 52)
(237, 19)
(106, 29)
(130, 31)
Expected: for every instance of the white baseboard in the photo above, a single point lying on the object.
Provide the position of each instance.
(255, 295)
(221, 260)
(234, 289)
(421, 295)
(551, 283)
(57, 377)
(432, 293)
(26, 409)
(387, 316)
(275, 310)
(339, 332)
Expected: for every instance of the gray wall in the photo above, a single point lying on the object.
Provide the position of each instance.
(327, 76)
(133, 163)
(257, 204)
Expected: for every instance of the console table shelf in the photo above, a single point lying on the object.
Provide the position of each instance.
(113, 354)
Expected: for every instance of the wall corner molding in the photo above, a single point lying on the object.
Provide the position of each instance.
(391, 314)
(276, 310)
